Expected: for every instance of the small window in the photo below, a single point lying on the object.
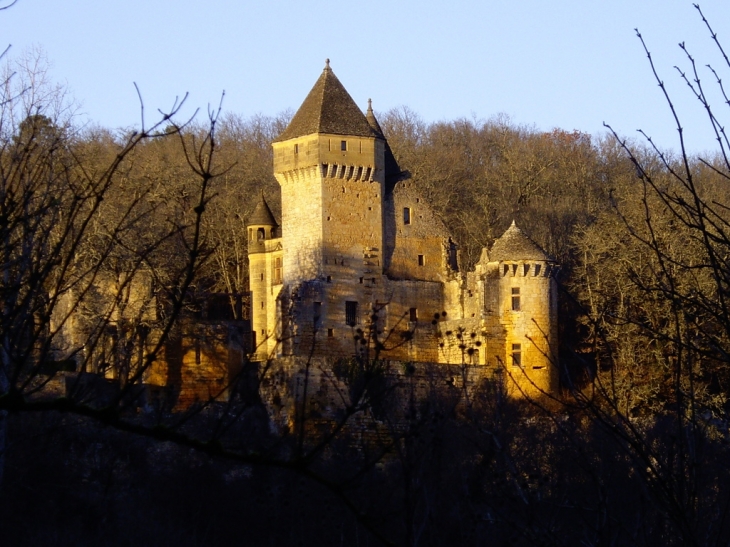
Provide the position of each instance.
(515, 299)
(250, 234)
(343, 146)
(197, 352)
(261, 234)
(413, 315)
(330, 333)
(421, 260)
(262, 277)
(316, 312)
(361, 280)
(517, 355)
(262, 305)
(296, 149)
(351, 313)
(406, 215)
(329, 279)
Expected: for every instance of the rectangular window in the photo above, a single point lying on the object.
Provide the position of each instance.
(351, 313)
(278, 271)
(296, 149)
(343, 146)
(517, 355)
(197, 352)
(421, 260)
(406, 215)
(515, 299)
(413, 315)
(330, 333)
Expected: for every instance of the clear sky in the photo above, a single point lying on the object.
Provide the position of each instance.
(571, 64)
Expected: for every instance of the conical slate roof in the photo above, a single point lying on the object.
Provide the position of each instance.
(515, 245)
(262, 215)
(328, 109)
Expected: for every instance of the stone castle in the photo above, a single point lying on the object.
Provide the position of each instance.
(361, 264)
(361, 268)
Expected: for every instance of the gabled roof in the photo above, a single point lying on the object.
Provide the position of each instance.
(328, 109)
(262, 215)
(515, 245)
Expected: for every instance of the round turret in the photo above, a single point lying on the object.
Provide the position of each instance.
(527, 308)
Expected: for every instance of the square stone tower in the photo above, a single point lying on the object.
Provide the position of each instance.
(330, 164)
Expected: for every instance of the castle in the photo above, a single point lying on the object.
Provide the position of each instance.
(361, 268)
(362, 264)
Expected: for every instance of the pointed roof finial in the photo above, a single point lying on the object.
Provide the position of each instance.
(370, 117)
(326, 64)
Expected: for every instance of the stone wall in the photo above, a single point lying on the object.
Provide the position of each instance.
(319, 389)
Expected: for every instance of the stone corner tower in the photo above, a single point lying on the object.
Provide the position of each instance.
(522, 299)
(265, 263)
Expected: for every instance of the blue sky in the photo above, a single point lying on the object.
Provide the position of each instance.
(571, 64)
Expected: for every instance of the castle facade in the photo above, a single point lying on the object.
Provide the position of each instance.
(361, 265)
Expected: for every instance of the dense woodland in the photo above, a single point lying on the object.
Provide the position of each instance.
(634, 451)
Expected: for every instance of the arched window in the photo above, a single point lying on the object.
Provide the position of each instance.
(261, 234)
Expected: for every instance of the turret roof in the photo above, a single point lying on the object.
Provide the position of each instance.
(328, 109)
(515, 245)
(372, 120)
(262, 215)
